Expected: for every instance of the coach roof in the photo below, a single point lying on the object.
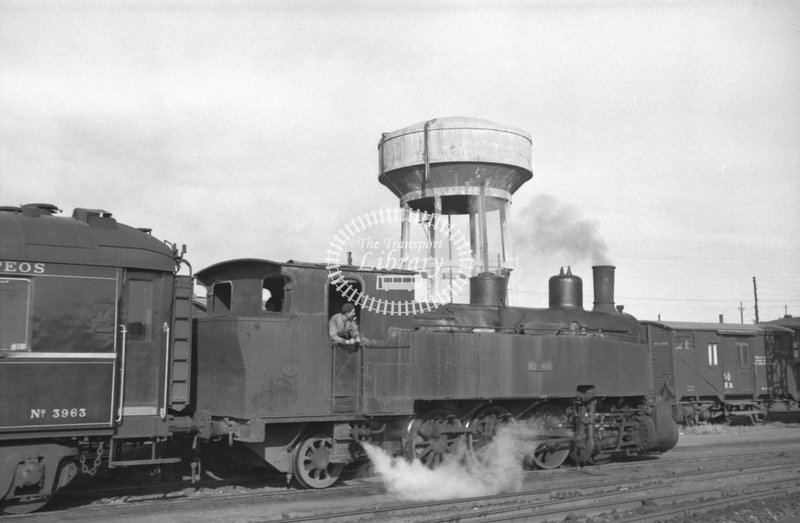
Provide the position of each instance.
(89, 237)
(721, 328)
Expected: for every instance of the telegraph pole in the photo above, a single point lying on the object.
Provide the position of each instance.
(741, 313)
(755, 295)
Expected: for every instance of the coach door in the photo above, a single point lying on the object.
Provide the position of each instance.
(144, 333)
(738, 366)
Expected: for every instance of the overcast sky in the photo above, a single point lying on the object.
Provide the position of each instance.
(670, 131)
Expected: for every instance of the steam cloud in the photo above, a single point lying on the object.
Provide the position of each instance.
(497, 469)
(548, 226)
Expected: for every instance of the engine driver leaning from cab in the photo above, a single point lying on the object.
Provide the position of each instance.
(343, 328)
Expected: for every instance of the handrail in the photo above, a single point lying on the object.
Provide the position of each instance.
(124, 332)
(163, 410)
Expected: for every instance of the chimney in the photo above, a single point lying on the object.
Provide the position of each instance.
(603, 288)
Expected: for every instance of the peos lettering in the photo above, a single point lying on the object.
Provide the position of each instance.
(22, 267)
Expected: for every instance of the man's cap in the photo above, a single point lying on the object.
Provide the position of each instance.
(347, 307)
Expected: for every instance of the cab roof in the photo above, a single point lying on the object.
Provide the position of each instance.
(252, 267)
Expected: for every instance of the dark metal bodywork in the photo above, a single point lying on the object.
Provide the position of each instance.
(501, 365)
(253, 363)
(719, 370)
(785, 373)
(265, 378)
(86, 308)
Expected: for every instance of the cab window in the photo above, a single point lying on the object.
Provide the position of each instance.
(221, 298)
(273, 294)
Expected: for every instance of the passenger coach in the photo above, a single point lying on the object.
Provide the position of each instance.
(87, 327)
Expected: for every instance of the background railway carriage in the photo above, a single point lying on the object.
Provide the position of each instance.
(720, 371)
(86, 323)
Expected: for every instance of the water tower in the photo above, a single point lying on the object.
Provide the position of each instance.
(461, 169)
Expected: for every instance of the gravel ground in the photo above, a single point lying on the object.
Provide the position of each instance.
(778, 509)
(697, 441)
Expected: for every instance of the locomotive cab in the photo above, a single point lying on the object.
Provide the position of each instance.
(272, 379)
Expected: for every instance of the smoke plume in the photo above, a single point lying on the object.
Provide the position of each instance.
(549, 227)
(497, 468)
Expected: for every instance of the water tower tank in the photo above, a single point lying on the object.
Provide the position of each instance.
(460, 166)
(454, 158)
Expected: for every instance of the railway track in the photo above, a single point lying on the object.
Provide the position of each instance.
(647, 499)
(671, 484)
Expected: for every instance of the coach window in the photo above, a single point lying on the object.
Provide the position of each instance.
(744, 355)
(274, 295)
(140, 310)
(15, 297)
(712, 355)
(221, 302)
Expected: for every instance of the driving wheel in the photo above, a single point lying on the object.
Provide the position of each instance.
(311, 463)
(433, 437)
(551, 421)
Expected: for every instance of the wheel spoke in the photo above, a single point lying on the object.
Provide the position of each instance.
(485, 425)
(310, 464)
(432, 436)
(552, 421)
